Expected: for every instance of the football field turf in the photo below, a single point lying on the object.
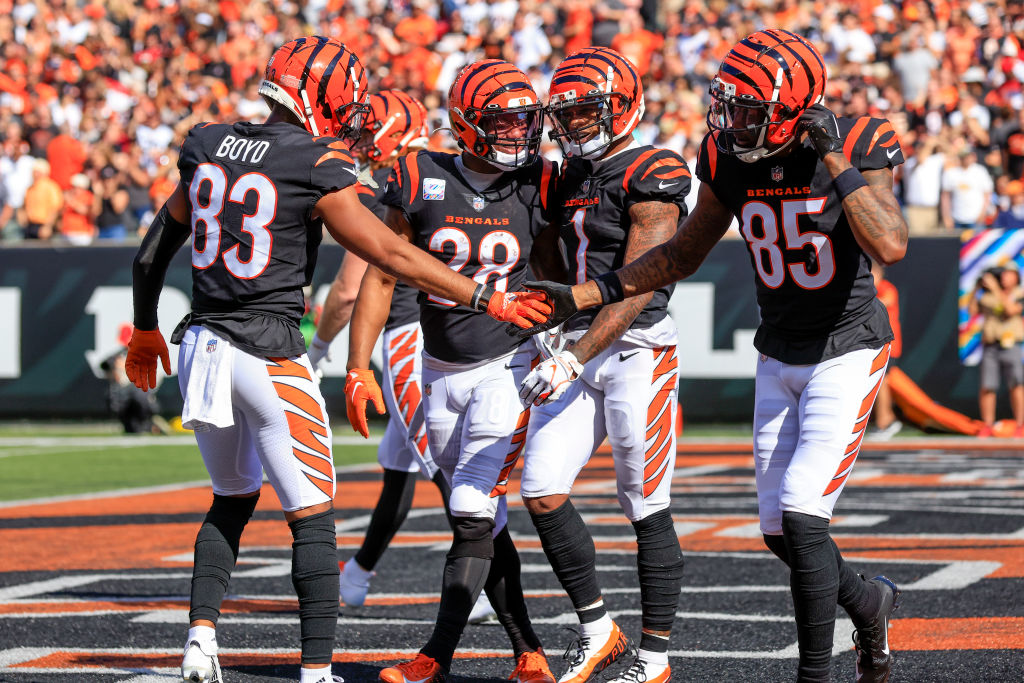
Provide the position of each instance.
(95, 588)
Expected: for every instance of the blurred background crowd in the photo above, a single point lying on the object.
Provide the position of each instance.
(96, 96)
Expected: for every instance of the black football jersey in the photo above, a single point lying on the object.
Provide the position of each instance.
(251, 189)
(484, 235)
(814, 285)
(594, 201)
(404, 309)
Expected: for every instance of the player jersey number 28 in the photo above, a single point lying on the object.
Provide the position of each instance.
(207, 215)
(767, 251)
(488, 256)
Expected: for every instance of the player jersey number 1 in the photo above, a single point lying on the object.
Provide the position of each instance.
(485, 256)
(207, 215)
(772, 270)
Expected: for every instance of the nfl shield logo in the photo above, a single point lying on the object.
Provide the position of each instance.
(478, 204)
(211, 346)
(777, 173)
(585, 188)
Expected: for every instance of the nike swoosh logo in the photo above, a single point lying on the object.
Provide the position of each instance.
(514, 367)
(662, 185)
(892, 152)
(626, 356)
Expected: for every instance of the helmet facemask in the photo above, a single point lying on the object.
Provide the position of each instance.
(506, 138)
(350, 118)
(585, 126)
(749, 128)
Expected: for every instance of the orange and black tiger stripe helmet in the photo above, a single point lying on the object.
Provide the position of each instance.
(320, 81)
(395, 122)
(601, 80)
(763, 85)
(495, 115)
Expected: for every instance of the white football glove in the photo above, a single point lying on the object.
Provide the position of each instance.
(317, 351)
(550, 379)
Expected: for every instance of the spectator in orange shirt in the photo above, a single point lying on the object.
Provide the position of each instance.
(78, 226)
(43, 202)
(419, 28)
(886, 423)
(67, 156)
(636, 43)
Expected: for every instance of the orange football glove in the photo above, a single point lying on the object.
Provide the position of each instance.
(143, 350)
(522, 309)
(361, 386)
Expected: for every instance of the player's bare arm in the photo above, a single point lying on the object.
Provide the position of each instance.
(358, 230)
(873, 212)
(374, 299)
(652, 223)
(341, 298)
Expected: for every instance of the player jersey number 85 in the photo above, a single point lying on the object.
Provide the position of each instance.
(207, 214)
(767, 253)
(486, 256)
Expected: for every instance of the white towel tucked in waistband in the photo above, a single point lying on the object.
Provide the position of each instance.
(208, 395)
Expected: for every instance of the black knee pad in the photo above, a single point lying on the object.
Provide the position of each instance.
(803, 531)
(659, 562)
(472, 538)
(230, 514)
(315, 578)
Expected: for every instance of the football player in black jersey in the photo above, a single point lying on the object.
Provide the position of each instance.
(254, 199)
(483, 212)
(813, 195)
(617, 376)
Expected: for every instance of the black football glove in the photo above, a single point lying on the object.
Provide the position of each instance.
(822, 128)
(562, 303)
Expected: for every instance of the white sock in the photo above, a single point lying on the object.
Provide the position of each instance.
(321, 675)
(659, 658)
(354, 571)
(601, 627)
(205, 636)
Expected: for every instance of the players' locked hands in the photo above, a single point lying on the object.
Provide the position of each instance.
(360, 388)
(144, 348)
(522, 309)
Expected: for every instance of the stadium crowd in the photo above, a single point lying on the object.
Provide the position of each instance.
(95, 97)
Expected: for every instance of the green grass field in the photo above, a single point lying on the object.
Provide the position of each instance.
(31, 471)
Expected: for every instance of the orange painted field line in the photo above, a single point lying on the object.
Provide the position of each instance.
(980, 633)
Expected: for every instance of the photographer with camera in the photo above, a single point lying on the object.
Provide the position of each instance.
(999, 298)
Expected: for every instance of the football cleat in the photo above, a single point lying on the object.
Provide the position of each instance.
(588, 655)
(423, 669)
(532, 667)
(200, 663)
(642, 671)
(353, 583)
(874, 660)
(482, 610)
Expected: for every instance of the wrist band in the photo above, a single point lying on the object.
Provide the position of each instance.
(481, 297)
(847, 182)
(610, 287)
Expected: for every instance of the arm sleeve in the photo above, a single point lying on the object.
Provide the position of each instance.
(163, 239)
